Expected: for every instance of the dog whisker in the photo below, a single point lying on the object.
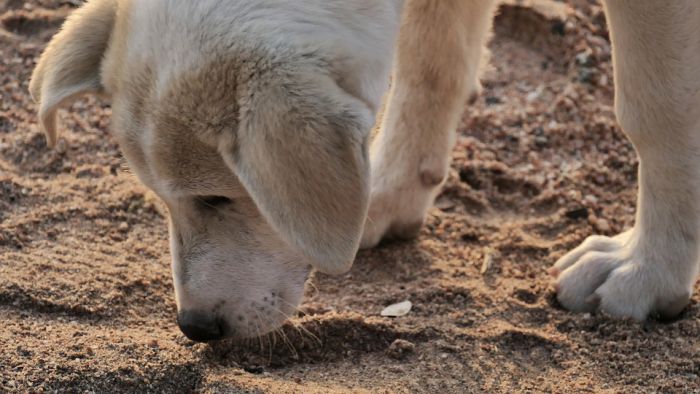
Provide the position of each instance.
(285, 339)
(269, 347)
(299, 327)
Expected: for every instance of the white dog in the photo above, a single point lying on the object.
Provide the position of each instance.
(250, 119)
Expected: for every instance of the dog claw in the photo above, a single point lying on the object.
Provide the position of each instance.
(593, 301)
(673, 308)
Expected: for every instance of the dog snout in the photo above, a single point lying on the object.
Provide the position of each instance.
(201, 327)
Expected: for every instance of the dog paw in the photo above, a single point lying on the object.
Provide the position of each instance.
(618, 276)
(399, 202)
(386, 223)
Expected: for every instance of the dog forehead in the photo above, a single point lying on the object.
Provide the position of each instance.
(202, 102)
(196, 110)
(181, 68)
(182, 162)
(164, 147)
(170, 131)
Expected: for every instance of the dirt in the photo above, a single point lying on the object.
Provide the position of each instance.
(86, 297)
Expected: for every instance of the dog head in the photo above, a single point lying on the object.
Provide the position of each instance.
(258, 149)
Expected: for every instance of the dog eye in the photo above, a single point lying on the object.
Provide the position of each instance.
(213, 201)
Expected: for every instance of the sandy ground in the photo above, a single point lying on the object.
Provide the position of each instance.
(86, 298)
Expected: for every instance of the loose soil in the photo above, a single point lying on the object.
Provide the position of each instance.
(86, 297)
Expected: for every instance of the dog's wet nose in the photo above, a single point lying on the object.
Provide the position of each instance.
(200, 327)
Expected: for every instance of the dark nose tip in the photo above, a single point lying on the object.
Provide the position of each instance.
(200, 327)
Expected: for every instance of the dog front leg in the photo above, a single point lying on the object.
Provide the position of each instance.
(440, 49)
(651, 268)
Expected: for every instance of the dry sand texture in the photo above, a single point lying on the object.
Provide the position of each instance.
(86, 299)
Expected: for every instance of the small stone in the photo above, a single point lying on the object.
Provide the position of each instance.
(254, 369)
(400, 348)
(397, 310)
(486, 265)
(591, 199)
(585, 58)
(534, 95)
(587, 75)
(574, 195)
(123, 226)
(602, 225)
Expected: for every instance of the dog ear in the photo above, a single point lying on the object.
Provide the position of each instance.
(301, 152)
(70, 65)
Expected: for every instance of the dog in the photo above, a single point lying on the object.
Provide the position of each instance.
(250, 119)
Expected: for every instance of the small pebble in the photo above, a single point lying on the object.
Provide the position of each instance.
(397, 310)
(602, 225)
(254, 369)
(488, 261)
(400, 348)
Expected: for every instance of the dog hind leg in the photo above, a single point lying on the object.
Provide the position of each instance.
(651, 268)
(439, 55)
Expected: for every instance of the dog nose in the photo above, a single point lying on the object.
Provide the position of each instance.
(200, 327)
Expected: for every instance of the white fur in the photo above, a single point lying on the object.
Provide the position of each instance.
(269, 103)
(651, 268)
(439, 56)
(656, 49)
